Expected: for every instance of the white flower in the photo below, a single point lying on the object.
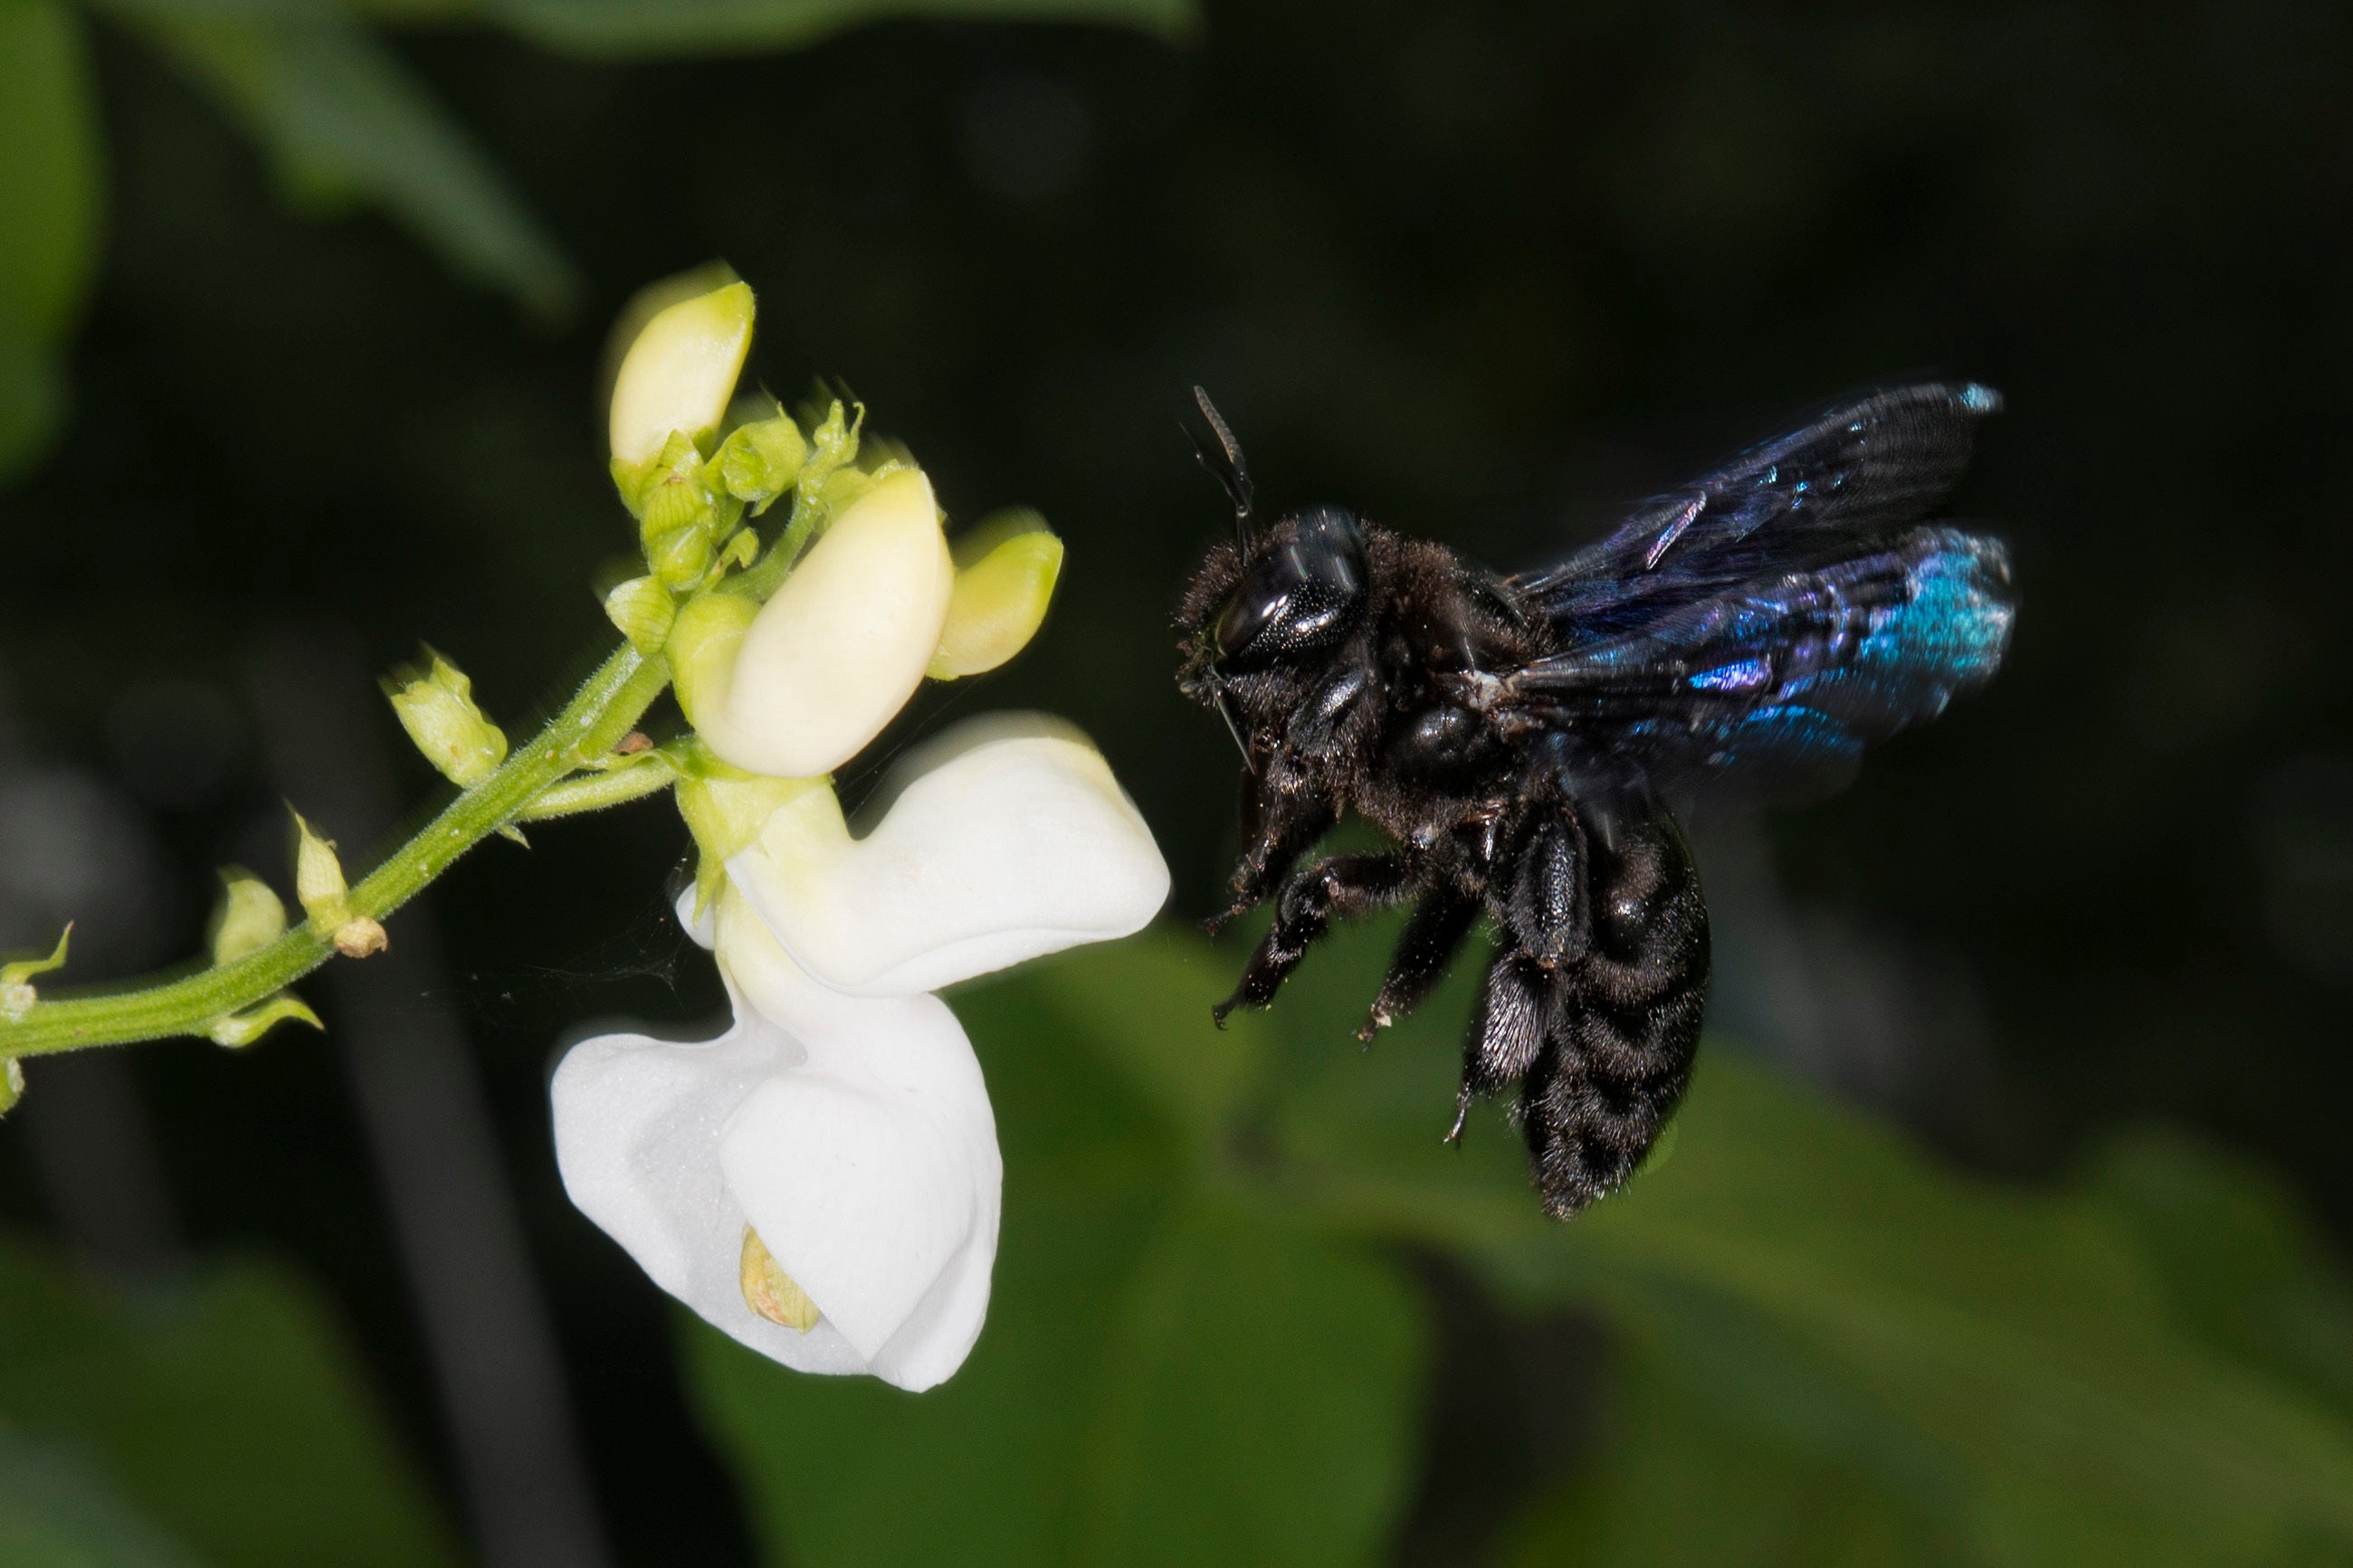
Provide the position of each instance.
(800, 688)
(822, 1182)
(1005, 838)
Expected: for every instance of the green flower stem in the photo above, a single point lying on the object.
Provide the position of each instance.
(592, 723)
(650, 774)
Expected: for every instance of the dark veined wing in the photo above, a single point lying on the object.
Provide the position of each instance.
(1762, 626)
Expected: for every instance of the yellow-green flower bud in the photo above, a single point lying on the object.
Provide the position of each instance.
(679, 372)
(1006, 572)
(16, 992)
(438, 711)
(249, 917)
(643, 610)
(759, 462)
(241, 1029)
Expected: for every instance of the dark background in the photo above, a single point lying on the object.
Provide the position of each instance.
(1483, 271)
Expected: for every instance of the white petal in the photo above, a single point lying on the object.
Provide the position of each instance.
(844, 643)
(872, 1172)
(1005, 839)
(854, 1135)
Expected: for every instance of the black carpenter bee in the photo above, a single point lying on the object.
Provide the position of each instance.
(1526, 740)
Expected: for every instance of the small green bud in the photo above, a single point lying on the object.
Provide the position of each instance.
(680, 558)
(16, 992)
(249, 917)
(239, 1030)
(643, 610)
(438, 711)
(680, 371)
(318, 875)
(760, 461)
(1005, 573)
(319, 884)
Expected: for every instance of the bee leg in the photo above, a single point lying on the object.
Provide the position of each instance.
(1278, 827)
(1287, 802)
(1544, 903)
(1510, 1029)
(1621, 1053)
(1431, 936)
(1342, 885)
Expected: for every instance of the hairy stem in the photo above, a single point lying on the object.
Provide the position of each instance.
(591, 724)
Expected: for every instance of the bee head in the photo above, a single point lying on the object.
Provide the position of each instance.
(1302, 590)
(1287, 589)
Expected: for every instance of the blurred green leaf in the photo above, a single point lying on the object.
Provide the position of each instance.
(58, 1512)
(1256, 1401)
(226, 1408)
(641, 27)
(345, 122)
(1170, 1372)
(2024, 1344)
(2243, 1267)
(50, 190)
(1673, 1486)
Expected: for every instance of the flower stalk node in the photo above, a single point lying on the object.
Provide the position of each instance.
(16, 992)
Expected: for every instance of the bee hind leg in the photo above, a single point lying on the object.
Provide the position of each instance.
(1435, 930)
(1343, 885)
(1518, 1009)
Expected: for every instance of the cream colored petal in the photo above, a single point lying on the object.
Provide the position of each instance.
(680, 372)
(842, 644)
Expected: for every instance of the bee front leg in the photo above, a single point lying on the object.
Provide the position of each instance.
(1343, 885)
(1289, 800)
(1279, 825)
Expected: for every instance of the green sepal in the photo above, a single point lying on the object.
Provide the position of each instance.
(759, 462)
(725, 808)
(643, 611)
(249, 917)
(239, 1030)
(16, 973)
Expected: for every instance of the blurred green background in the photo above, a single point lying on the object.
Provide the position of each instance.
(2004, 1224)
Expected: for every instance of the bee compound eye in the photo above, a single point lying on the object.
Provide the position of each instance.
(1302, 595)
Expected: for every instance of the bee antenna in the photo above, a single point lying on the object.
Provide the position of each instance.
(1225, 464)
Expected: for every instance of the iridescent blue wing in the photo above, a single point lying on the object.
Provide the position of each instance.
(1758, 629)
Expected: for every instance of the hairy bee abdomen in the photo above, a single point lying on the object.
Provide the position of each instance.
(1613, 1029)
